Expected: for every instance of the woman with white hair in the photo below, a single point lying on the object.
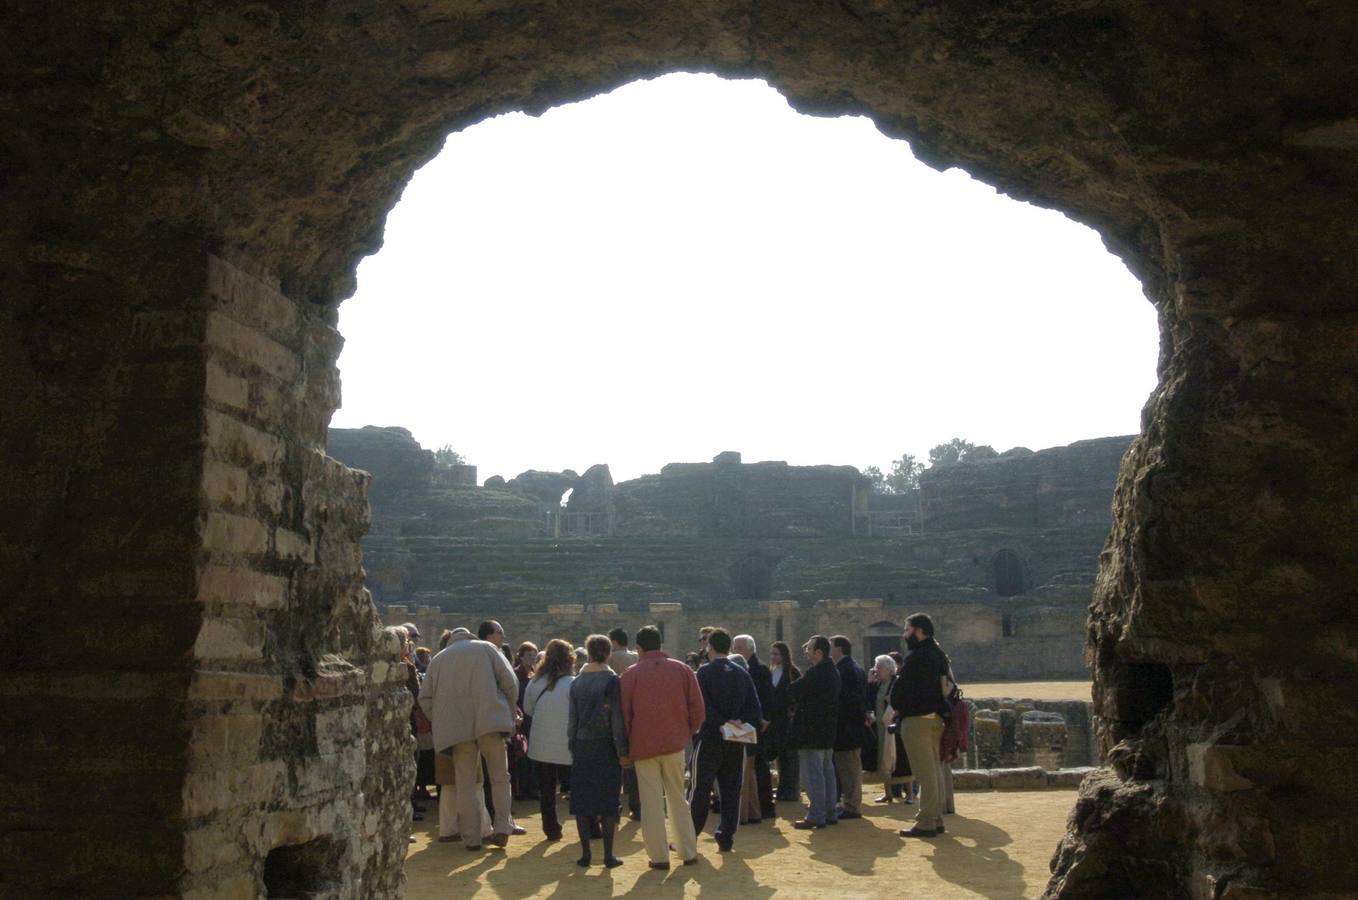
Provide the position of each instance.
(893, 766)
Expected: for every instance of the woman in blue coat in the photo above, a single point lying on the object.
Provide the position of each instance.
(598, 745)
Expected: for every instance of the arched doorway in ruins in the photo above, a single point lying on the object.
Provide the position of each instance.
(880, 638)
(186, 201)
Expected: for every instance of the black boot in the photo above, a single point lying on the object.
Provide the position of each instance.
(584, 825)
(610, 825)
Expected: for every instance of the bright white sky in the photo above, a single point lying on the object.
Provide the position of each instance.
(686, 266)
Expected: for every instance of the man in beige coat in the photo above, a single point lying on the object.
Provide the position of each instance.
(472, 694)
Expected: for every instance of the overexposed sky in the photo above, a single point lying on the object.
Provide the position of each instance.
(686, 266)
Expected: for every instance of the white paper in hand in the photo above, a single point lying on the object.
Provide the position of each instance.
(741, 733)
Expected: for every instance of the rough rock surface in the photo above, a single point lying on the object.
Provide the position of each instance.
(1214, 146)
(404, 464)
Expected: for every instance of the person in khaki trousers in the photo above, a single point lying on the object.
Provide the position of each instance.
(470, 694)
(851, 727)
(919, 700)
(662, 707)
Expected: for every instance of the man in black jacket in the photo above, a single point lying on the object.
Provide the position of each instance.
(812, 731)
(729, 695)
(853, 717)
(918, 698)
(744, 646)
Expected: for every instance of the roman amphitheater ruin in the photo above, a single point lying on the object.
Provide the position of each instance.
(188, 188)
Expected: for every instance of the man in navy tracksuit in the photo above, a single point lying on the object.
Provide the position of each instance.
(730, 696)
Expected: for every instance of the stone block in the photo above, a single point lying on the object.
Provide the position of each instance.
(329, 771)
(224, 740)
(229, 639)
(1069, 779)
(209, 685)
(251, 299)
(338, 727)
(166, 329)
(239, 887)
(221, 584)
(234, 441)
(225, 484)
(293, 545)
(252, 347)
(217, 789)
(971, 780)
(1214, 766)
(226, 388)
(1030, 778)
(210, 846)
(340, 683)
(168, 583)
(232, 533)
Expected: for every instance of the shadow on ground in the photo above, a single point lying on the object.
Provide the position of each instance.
(997, 847)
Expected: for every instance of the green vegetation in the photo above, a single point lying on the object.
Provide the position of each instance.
(446, 457)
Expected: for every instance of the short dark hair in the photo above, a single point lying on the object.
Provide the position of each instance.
(648, 638)
(843, 644)
(719, 640)
(619, 635)
(819, 642)
(598, 647)
(486, 629)
(922, 622)
(898, 657)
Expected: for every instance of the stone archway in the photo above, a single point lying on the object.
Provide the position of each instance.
(187, 190)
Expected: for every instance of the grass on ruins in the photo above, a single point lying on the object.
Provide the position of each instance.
(998, 845)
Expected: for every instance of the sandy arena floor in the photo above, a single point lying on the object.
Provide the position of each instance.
(998, 845)
(1031, 690)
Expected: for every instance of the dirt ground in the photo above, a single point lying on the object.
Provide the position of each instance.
(1031, 690)
(998, 845)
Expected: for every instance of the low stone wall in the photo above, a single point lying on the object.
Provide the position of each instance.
(1008, 733)
(1030, 778)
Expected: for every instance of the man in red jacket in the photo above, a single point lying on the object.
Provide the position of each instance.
(662, 707)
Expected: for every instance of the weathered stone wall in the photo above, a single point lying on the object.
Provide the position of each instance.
(299, 745)
(1213, 147)
(695, 532)
(228, 691)
(1060, 487)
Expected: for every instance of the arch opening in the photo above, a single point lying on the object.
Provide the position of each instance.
(1008, 573)
(180, 367)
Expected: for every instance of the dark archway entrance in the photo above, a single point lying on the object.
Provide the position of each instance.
(1008, 575)
(881, 638)
(752, 577)
(187, 193)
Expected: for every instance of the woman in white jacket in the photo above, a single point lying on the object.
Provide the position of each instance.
(548, 701)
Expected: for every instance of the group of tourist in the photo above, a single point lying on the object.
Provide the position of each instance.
(613, 726)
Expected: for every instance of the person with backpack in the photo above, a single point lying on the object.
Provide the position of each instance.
(920, 700)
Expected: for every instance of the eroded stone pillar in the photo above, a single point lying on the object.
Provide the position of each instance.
(1221, 636)
(300, 754)
(210, 707)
